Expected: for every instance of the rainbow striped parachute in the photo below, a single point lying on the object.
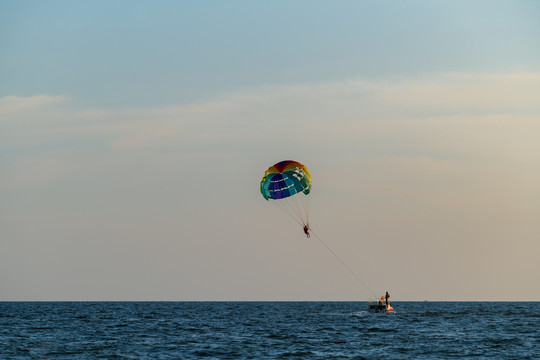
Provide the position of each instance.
(287, 184)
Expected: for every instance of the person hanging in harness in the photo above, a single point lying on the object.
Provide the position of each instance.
(306, 230)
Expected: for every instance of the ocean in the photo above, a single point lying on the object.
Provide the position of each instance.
(268, 330)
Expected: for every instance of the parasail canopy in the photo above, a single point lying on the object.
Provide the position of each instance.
(287, 184)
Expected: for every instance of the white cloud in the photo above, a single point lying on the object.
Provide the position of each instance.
(466, 93)
(340, 110)
(488, 117)
(10, 104)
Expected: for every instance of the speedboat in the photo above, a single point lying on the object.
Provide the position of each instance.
(379, 306)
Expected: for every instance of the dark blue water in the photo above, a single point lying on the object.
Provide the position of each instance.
(268, 330)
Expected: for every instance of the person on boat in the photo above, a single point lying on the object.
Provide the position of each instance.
(380, 304)
(306, 230)
(387, 297)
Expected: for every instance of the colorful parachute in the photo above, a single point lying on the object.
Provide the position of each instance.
(287, 184)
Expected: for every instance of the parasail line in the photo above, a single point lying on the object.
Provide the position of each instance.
(344, 264)
(288, 210)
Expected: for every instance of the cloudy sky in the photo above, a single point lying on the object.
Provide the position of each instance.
(134, 134)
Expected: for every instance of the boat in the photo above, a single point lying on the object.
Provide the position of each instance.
(379, 306)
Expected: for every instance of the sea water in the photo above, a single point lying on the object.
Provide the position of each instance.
(268, 330)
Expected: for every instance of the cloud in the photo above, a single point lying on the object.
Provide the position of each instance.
(11, 104)
(487, 117)
(338, 110)
(457, 93)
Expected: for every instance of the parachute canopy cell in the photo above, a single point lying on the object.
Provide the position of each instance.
(285, 179)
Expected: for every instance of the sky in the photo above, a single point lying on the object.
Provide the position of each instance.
(134, 135)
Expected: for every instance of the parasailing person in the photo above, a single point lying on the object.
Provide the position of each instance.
(306, 230)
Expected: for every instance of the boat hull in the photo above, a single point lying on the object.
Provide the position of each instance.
(380, 308)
